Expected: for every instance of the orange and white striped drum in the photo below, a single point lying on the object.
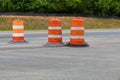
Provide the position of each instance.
(54, 31)
(18, 31)
(77, 32)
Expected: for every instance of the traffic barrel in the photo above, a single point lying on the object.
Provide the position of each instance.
(77, 33)
(54, 33)
(18, 32)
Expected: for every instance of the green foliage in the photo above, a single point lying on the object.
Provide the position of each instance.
(5, 5)
(90, 7)
(22, 5)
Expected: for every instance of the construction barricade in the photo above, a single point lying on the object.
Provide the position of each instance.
(18, 32)
(77, 33)
(54, 33)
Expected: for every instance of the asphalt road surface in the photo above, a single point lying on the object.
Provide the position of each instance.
(33, 61)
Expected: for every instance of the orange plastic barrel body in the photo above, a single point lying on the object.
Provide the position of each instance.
(18, 31)
(77, 32)
(54, 31)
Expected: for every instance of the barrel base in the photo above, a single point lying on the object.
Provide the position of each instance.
(72, 45)
(54, 45)
(19, 42)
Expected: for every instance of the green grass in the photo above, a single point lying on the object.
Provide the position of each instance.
(41, 22)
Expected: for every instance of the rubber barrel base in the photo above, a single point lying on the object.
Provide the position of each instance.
(72, 45)
(19, 42)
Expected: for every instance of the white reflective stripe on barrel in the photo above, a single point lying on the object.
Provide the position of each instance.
(17, 34)
(54, 28)
(77, 37)
(18, 27)
(55, 36)
(77, 28)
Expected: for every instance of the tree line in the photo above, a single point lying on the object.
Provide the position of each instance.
(87, 7)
